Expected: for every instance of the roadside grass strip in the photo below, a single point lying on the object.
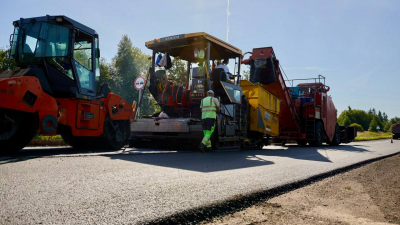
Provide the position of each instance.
(42, 140)
(367, 136)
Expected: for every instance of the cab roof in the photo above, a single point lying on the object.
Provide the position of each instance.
(52, 19)
(183, 46)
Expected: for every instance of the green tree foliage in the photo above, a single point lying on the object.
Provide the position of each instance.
(380, 123)
(346, 121)
(395, 120)
(105, 76)
(357, 126)
(125, 70)
(363, 118)
(373, 125)
(355, 116)
(380, 115)
(385, 118)
(129, 63)
(5, 62)
(177, 70)
(246, 74)
(388, 127)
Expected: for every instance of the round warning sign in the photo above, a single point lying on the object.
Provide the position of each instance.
(139, 83)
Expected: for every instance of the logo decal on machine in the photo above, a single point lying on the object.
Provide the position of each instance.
(89, 116)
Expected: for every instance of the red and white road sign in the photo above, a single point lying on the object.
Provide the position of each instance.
(139, 83)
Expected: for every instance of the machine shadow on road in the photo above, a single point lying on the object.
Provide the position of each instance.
(200, 162)
(189, 160)
(311, 153)
(37, 152)
(229, 160)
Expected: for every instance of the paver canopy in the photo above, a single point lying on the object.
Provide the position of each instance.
(184, 45)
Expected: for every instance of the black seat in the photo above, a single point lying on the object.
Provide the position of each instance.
(218, 75)
(103, 90)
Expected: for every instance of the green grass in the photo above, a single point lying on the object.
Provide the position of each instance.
(43, 137)
(42, 140)
(366, 136)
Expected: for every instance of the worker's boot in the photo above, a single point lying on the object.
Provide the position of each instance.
(202, 147)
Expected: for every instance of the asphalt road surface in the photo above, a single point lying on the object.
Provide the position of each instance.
(66, 186)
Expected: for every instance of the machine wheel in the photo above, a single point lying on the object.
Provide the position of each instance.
(242, 145)
(336, 138)
(134, 143)
(260, 146)
(302, 142)
(319, 135)
(277, 141)
(22, 127)
(116, 133)
(115, 136)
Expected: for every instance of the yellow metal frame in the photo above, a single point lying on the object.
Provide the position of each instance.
(264, 108)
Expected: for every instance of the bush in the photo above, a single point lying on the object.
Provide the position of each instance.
(388, 127)
(373, 125)
(357, 126)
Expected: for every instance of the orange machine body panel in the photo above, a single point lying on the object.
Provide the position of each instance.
(14, 95)
(85, 117)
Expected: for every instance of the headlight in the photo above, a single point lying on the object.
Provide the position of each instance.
(59, 19)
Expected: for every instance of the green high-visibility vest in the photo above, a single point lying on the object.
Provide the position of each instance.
(208, 108)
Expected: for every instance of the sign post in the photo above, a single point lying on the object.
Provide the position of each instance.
(140, 83)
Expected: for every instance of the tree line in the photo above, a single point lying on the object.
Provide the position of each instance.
(367, 120)
(129, 63)
(120, 74)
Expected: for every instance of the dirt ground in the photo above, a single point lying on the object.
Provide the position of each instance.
(366, 195)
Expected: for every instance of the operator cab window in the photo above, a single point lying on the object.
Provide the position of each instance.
(83, 60)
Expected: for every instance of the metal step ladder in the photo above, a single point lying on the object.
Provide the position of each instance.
(309, 127)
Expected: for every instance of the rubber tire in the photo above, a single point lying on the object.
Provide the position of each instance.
(319, 135)
(336, 138)
(109, 140)
(302, 142)
(135, 143)
(26, 130)
(105, 141)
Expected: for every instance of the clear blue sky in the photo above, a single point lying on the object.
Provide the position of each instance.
(355, 44)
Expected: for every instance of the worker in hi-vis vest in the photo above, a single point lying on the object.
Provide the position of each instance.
(209, 108)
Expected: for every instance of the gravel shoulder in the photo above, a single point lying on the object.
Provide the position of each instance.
(366, 195)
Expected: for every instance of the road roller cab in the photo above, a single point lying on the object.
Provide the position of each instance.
(56, 87)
